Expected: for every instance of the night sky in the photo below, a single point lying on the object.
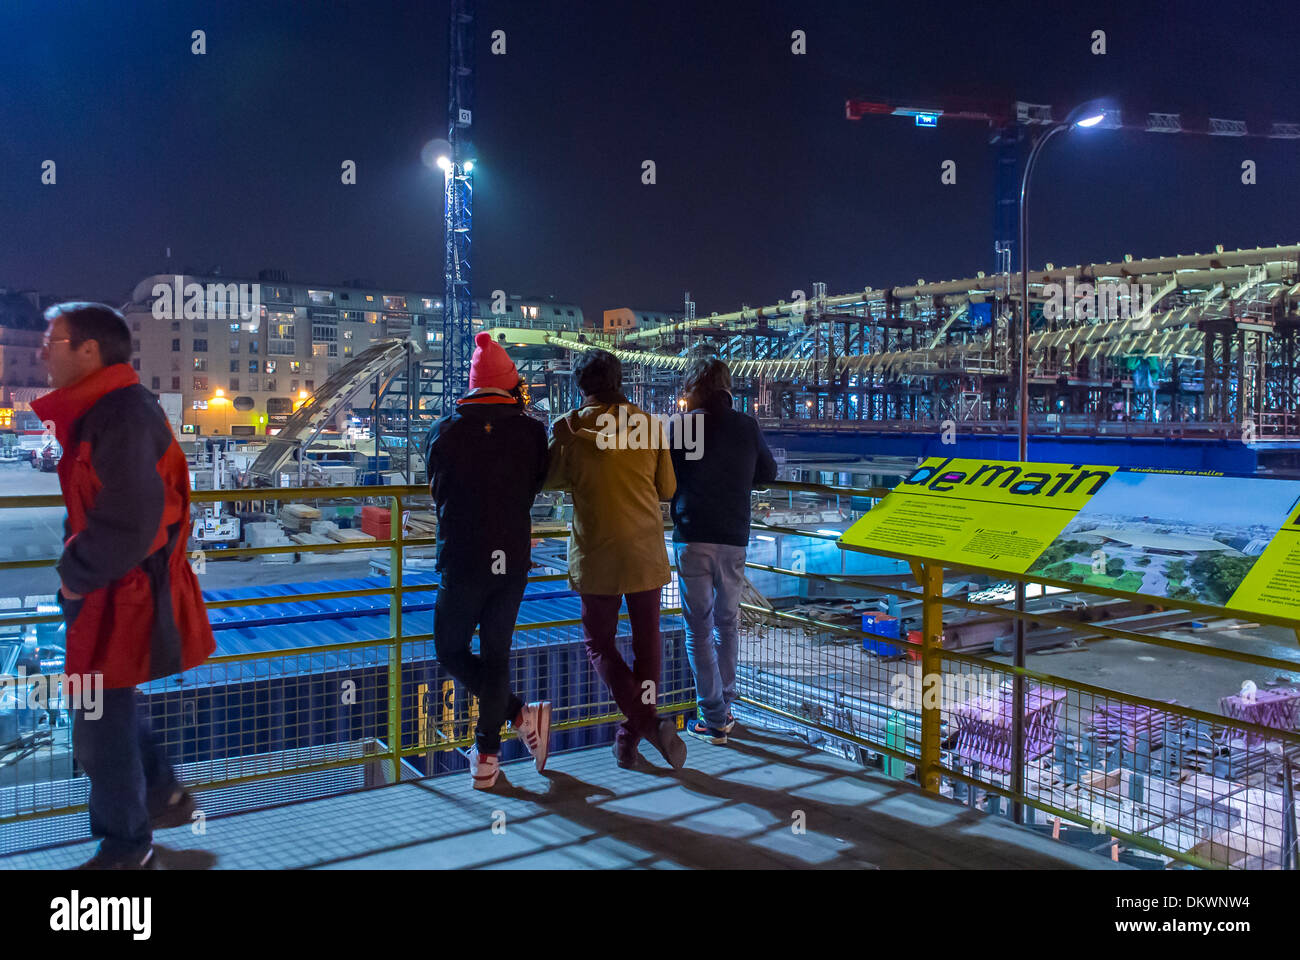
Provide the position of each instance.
(233, 158)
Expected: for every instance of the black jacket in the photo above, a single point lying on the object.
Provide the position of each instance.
(712, 500)
(487, 461)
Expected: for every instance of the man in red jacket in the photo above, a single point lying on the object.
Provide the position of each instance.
(132, 605)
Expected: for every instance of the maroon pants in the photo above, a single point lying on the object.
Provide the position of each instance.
(627, 684)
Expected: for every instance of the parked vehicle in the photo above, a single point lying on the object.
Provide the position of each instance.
(47, 461)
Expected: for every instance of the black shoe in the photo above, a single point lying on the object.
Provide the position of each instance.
(100, 861)
(669, 744)
(178, 812)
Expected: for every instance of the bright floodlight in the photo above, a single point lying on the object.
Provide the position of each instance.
(469, 166)
(444, 163)
(1092, 121)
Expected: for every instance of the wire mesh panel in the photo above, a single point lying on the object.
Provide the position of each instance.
(1131, 776)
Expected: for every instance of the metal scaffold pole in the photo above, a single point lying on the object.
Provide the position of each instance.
(458, 304)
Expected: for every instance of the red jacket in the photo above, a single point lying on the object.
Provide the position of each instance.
(126, 487)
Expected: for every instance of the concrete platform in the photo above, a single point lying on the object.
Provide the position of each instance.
(732, 806)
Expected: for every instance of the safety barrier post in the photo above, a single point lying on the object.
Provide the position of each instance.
(927, 769)
(395, 631)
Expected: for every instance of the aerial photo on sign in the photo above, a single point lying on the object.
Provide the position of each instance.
(1170, 535)
(1205, 538)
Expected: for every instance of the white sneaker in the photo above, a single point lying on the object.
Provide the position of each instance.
(483, 768)
(533, 727)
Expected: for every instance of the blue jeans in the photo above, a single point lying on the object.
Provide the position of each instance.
(710, 575)
(130, 775)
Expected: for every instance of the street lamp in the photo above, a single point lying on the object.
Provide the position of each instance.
(1085, 115)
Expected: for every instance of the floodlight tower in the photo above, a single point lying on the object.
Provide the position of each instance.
(457, 301)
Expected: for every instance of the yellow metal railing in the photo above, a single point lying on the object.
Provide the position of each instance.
(592, 708)
(1251, 810)
(813, 672)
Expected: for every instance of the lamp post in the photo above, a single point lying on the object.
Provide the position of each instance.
(1085, 115)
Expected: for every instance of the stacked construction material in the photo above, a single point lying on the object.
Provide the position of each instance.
(421, 523)
(1126, 722)
(1271, 708)
(309, 538)
(268, 534)
(984, 727)
(376, 522)
(298, 516)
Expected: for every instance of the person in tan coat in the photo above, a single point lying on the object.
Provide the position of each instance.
(614, 458)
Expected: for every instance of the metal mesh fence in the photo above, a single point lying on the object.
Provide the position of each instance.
(277, 725)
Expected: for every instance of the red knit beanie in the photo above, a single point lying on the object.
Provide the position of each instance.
(491, 366)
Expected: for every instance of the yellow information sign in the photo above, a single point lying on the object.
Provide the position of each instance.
(1202, 537)
(982, 513)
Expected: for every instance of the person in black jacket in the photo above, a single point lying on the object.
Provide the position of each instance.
(487, 462)
(719, 456)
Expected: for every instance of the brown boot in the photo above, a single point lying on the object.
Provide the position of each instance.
(626, 753)
(669, 744)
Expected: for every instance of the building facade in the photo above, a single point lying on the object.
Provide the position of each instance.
(243, 353)
(624, 319)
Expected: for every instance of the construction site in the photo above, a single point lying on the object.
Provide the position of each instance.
(1021, 593)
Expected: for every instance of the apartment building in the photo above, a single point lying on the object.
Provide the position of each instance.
(244, 374)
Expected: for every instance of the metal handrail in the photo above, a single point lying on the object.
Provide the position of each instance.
(930, 768)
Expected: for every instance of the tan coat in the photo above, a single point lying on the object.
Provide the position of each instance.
(619, 470)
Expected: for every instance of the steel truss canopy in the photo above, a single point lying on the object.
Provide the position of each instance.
(1183, 294)
(383, 358)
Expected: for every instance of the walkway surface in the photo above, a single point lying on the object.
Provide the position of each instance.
(736, 806)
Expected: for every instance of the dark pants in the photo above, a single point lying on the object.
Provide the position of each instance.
(627, 684)
(130, 775)
(490, 603)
